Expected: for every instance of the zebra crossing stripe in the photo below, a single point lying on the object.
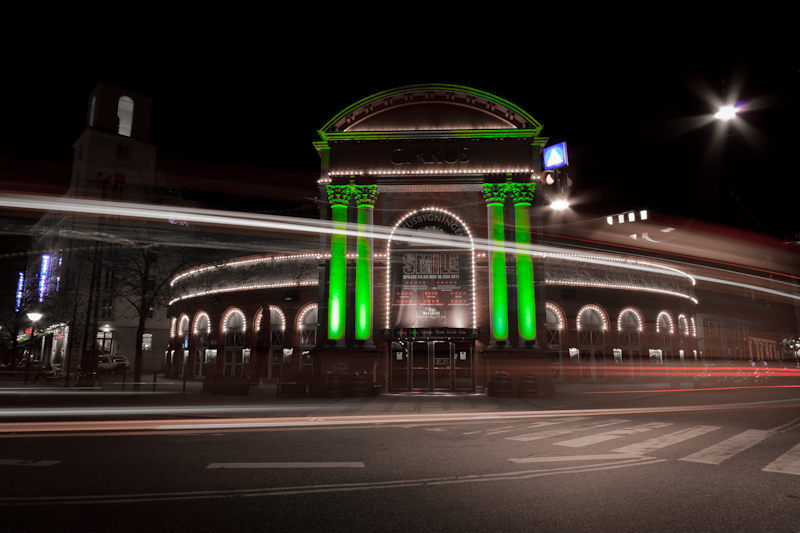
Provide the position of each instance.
(535, 425)
(788, 463)
(663, 441)
(609, 435)
(565, 431)
(714, 455)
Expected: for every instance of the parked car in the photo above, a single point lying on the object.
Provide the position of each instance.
(122, 360)
(109, 365)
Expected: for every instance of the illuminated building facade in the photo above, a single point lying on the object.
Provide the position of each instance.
(427, 280)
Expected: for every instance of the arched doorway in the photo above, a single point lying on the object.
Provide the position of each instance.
(307, 329)
(202, 327)
(233, 329)
(592, 324)
(183, 353)
(555, 326)
(629, 328)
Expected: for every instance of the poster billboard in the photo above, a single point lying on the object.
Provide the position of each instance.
(431, 285)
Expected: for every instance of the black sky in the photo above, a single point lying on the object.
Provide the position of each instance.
(631, 112)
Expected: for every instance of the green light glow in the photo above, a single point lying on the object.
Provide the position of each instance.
(497, 263)
(363, 275)
(337, 287)
(526, 308)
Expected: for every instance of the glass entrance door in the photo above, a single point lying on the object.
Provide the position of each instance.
(420, 366)
(432, 366)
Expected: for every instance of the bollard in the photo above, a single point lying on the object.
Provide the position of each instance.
(154, 380)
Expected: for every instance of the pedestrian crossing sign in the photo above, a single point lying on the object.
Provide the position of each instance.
(555, 156)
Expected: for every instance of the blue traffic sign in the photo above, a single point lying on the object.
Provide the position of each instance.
(555, 156)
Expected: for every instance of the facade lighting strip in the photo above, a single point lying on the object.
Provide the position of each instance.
(243, 288)
(594, 308)
(389, 265)
(197, 321)
(669, 319)
(228, 314)
(200, 269)
(183, 325)
(623, 287)
(465, 171)
(557, 311)
(303, 314)
(639, 318)
(683, 324)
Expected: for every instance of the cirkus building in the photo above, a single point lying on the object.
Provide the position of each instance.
(432, 276)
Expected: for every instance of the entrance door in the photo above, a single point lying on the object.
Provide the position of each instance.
(420, 366)
(432, 366)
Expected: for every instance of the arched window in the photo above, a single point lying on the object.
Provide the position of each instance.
(307, 325)
(233, 327)
(555, 325)
(125, 115)
(630, 324)
(592, 324)
(277, 323)
(202, 327)
(665, 327)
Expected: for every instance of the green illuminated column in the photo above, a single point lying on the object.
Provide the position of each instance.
(365, 196)
(495, 196)
(338, 197)
(522, 196)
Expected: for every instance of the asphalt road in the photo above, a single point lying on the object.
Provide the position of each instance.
(673, 465)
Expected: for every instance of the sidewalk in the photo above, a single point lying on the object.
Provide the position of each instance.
(169, 397)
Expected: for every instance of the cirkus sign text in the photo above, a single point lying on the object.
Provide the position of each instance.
(429, 155)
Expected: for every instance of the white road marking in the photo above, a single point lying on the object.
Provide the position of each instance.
(538, 425)
(28, 462)
(788, 463)
(663, 441)
(784, 426)
(286, 465)
(435, 429)
(565, 431)
(714, 455)
(609, 435)
(578, 458)
(312, 489)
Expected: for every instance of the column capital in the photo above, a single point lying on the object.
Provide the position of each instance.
(339, 194)
(495, 193)
(521, 193)
(365, 195)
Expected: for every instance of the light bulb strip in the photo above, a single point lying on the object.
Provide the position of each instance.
(635, 312)
(228, 314)
(557, 311)
(669, 319)
(599, 312)
(388, 264)
(243, 288)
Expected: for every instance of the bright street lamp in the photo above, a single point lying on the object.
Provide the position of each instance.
(560, 204)
(35, 316)
(726, 113)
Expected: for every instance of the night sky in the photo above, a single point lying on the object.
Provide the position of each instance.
(635, 118)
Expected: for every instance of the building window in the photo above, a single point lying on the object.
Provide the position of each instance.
(105, 340)
(107, 308)
(147, 342)
(125, 115)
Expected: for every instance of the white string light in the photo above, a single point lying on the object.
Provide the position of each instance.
(637, 316)
(594, 308)
(669, 319)
(389, 265)
(558, 313)
(228, 314)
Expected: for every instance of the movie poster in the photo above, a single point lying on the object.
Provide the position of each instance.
(431, 284)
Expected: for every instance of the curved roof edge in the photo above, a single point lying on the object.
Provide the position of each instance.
(327, 127)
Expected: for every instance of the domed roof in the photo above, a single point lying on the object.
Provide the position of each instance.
(433, 107)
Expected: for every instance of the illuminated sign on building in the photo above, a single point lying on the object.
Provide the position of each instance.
(555, 156)
(432, 284)
(20, 288)
(44, 276)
